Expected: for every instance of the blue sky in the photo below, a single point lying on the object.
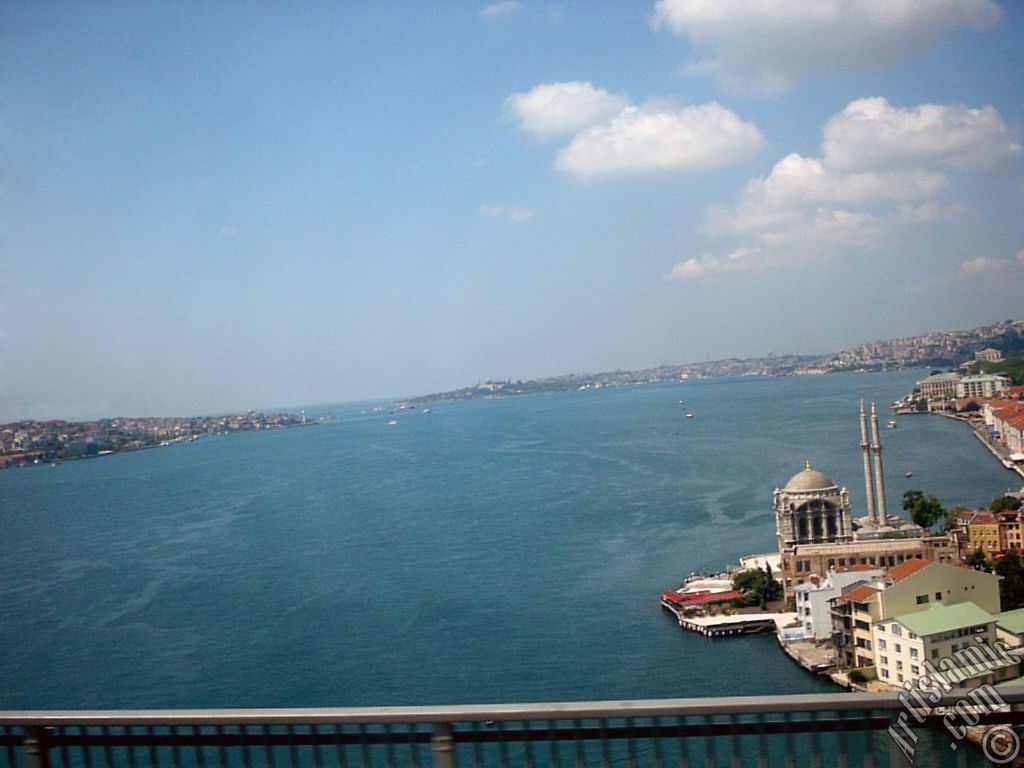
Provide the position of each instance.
(215, 206)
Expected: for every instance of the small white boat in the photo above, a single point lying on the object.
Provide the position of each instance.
(909, 474)
(891, 424)
(392, 423)
(689, 415)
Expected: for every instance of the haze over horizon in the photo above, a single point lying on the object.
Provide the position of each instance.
(208, 208)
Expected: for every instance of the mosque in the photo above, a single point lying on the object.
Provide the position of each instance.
(816, 532)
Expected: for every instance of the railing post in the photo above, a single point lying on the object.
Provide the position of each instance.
(442, 744)
(37, 754)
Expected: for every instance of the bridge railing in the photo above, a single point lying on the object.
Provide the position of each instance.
(844, 729)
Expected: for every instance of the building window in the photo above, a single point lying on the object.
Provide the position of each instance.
(914, 669)
(922, 599)
(881, 645)
(899, 678)
(913, 653)
(896, 630)
(898, 648)
(938, 595)
(935, 653)
(885, 661)
(899, 664)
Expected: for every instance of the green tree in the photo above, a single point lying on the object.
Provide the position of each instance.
(910, 498)
(978, 561)
(924, 510)
(1011, 586)
(1004, 504)
(758, 588)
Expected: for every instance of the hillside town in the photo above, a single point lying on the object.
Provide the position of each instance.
(946, 349)
(39, 442)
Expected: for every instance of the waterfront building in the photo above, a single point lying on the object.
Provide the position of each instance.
(813, 598)
(811, 509)
(1005, 417)
(957, 641)
(815, 532)
(914, 586)
(987, 385)
(939, 388)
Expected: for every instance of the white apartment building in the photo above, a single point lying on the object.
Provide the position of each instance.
(954, 642)
(988, 385)
(813, 596)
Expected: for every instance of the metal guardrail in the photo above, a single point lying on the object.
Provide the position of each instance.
(843, 729)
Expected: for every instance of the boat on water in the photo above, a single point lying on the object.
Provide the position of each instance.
(891, 424)
(392, 423)
(909, 474)
(689, 415)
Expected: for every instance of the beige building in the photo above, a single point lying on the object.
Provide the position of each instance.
(797, 566)
(955, 643)
(914, 586)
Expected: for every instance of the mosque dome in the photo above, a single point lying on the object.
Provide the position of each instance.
(810, 480)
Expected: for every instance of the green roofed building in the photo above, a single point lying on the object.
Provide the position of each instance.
(953, 642)
(1010, 627)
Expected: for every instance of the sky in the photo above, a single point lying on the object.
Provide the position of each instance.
(209, 207)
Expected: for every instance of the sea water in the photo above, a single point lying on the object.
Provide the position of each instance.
(486, 551)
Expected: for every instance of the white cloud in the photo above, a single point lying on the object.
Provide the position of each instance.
(799, 186)
(741, 260)
(880, 172)
(552, 108)
(654, 138)
(986, 265)
(764, 44)
(513, 213)
(501, 10)
(871, 134)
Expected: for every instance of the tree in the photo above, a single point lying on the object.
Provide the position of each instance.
(1011, 586)
(927, 512)
(978, 561)
(1004, 504)
(924, 510)
(758, 588)
(910, 498)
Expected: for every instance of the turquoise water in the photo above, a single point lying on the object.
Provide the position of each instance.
(488, 551)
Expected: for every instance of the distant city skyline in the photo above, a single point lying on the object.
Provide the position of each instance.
(209, 208)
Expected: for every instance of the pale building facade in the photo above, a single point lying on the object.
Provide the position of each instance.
(813, 599)
(956, 641)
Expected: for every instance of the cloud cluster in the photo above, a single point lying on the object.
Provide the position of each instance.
(553, 108)
(501, 10)
(986, 265)
(513, 213)
(613, 137)
(762, 45)
(880, 169)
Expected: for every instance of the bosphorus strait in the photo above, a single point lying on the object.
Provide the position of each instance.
(490, 550)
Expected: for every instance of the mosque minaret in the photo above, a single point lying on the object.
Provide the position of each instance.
(817, 534)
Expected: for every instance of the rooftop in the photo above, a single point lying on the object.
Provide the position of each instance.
(1011, 621)
(908, 568)
(943, 618)
(810, 480)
